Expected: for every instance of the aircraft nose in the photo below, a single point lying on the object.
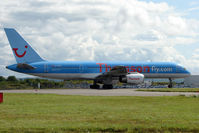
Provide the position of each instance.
(188, 72)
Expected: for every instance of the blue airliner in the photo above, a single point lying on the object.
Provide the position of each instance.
(102, 72)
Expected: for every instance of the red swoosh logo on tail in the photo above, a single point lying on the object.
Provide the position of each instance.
(18, 55)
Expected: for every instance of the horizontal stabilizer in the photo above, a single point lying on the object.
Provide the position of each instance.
(25, 66)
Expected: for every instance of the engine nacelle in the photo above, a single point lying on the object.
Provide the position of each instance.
(133, 78)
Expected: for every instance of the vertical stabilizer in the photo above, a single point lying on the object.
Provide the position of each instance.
(22, 51)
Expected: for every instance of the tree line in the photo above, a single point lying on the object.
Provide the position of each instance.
(11, 82)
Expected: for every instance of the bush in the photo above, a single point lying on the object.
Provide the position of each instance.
(2, 79)
(12, 79)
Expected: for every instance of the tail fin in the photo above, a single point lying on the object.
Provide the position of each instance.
(22, 51)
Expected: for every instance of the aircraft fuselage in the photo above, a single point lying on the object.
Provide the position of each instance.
(90, 70)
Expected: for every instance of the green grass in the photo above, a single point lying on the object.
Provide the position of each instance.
(171, 90)
(60, 113)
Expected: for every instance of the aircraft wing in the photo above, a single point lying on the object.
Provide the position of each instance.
(114, 72)
(117, 73)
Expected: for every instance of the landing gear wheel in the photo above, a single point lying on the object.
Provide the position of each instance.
(170, 86)
(94, 86)
(107, 87)
(170, 83)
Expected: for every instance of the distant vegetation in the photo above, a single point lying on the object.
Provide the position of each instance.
(163, 83)
(13, 83)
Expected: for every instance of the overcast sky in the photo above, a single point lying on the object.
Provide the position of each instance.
(111, 30)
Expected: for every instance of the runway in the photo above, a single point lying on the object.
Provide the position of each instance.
(93, 92)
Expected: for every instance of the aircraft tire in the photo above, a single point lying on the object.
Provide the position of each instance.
(94, 86)
(170, 86)
(107, 87)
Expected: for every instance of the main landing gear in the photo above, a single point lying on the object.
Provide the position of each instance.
(170, 83)
(105, 86)
(96, 86)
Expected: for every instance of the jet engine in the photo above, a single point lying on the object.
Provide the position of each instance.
(132, 78)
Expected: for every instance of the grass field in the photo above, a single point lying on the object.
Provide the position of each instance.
(171, 90)
(59, 113)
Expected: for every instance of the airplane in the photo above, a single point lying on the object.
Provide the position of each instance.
(101, 72)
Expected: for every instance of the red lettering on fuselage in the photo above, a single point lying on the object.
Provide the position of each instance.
(140, 69)
(127, 68)
(108, 68)
(148, 69)
(133, 69)
(100, 65)
(134, 78)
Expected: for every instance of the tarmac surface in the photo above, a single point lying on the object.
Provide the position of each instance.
(95, 92)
